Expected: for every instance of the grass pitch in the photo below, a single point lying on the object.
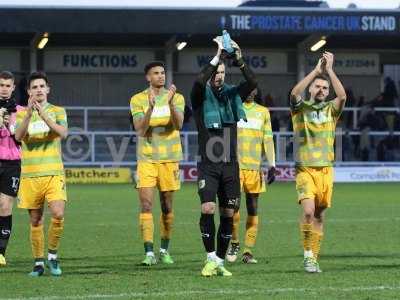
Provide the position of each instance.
(101, 250)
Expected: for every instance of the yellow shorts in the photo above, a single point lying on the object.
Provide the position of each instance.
(34, 191)
(252, 181)
(164, 176)
(315, 183)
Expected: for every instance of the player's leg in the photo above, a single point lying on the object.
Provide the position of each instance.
(31, 196)
(169, 181)
(166, 224)
(37, 241)
(9, 183)
(251, 228)
(147, 181)
(306, 229)
(207, 229)
(324, 202)
(306, 193)
(146, 223)
(234, 246)
(6, 204)
(55, 231)
(56, 197)
(318, 233)
(208, 178)
(255, 187)
(224, 234)
(228, 197)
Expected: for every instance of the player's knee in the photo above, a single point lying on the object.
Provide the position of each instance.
(208, 208)
(319, 214)
(318, 218)
(36, 221)
(166, 207)
(308, 214)
(5, 208)
(146, 206)
(227, 212)
(58, 214)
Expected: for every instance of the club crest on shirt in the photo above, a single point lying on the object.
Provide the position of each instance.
(202, 184)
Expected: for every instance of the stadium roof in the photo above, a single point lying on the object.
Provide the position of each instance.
(257, 27)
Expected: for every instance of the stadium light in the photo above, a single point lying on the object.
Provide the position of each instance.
(318, 45)
(180, 45)
(43, 40)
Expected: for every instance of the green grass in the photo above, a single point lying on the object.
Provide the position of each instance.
(101, 250)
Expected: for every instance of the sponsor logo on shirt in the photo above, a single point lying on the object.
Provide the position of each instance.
(250, 124)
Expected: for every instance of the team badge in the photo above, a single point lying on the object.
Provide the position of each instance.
(202, 184)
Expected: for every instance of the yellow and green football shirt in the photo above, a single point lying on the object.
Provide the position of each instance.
(314, 126)
(254, 136)
(41, 148)
(162, 142)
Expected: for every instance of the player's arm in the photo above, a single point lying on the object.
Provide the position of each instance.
(142, 123)
(175, 107)
(197, 93)
(250, 83)
(269, 149)
(22, 124)
(298, 90)
(2, 116)
(340, 92)
(61, 129)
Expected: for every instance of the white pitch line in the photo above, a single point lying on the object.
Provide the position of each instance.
(335, 220)
(213, 292)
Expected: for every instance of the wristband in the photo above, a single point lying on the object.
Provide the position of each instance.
(214, 61)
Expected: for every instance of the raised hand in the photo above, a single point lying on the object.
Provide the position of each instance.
(36, 105)
(171, 94)
(319, 68)
(218, 40)
(238, 59)
(151, 98)
(329, 58)
(29, 107)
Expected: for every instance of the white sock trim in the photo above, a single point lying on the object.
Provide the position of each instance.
(211, 255)
(308, 253)
(219, 261)
(51, 256)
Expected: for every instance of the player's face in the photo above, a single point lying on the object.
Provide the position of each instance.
(319, 90)
(156, 77)
(39, 90)
(7, 87)
(218, 79)
(252, 96)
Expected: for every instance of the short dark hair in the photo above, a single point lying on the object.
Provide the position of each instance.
(7, 75)
(322, 77)
(37, 75)
(153, 64)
